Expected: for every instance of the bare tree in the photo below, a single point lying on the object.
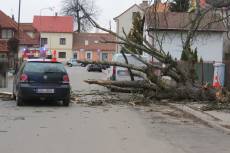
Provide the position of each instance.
(153, 85)
(74, 8)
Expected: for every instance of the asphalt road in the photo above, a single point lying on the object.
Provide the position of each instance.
(103, 129)
(79, 74)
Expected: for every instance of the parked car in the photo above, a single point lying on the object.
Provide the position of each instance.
(73, 62)
(94, 67)
(120, 73)
(41, 79)
(83, 64)
(104, 67)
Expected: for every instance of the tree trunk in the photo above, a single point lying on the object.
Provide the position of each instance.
(78, 18)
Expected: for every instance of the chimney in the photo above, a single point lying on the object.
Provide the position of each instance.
(13, 17)
(144, 4)
(56, 14)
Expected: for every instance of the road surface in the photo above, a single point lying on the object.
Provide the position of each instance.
(103, 129)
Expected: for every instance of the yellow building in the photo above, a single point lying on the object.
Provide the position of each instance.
(56, 33)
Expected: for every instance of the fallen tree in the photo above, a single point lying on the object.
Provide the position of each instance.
(181, 73)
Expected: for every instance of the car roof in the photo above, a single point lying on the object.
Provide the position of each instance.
(41, 60)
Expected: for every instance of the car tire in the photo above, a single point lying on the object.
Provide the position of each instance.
(66, 102)
(19, 101)
(70, 65)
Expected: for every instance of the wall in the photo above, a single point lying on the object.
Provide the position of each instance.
(95, 55)
(125, 21)
(53, 43)
(209, 45)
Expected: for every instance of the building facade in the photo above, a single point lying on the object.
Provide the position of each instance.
(89, 46)
(56, 33)
(170, 30)
(125, 19)
(9, 29)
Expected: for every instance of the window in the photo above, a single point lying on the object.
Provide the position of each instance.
(104, 56)
(2, 56)
(75, 55)
(88, 55)
(44, 41)
(7, 34)
(39, 67)
(62, 41)
(62, 55)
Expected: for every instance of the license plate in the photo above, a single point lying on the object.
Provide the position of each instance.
(45, 90)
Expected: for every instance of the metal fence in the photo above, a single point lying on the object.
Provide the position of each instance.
(204, 72)
(227, 74)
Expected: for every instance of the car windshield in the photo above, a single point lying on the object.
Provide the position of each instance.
(44, 67)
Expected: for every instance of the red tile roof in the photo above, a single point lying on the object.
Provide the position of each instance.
(27, 27)
(7, 22)
(25, 38)
(55, 24)
(93, 41)
(182, 21)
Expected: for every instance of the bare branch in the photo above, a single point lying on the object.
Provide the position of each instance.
(124, 84)
(130, 66)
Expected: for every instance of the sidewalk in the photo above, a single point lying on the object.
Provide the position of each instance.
(218, 119)
(9, 86)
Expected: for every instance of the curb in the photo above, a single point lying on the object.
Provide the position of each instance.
(205, 118)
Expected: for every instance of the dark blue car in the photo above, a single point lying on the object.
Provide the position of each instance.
(41, 79)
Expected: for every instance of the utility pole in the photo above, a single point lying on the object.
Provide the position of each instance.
(19, 15)
(16, 61)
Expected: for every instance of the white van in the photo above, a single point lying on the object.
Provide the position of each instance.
(119, 73)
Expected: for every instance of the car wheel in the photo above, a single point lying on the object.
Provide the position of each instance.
(100, 70)
(19, 101)
(70, 65)
(66, 102)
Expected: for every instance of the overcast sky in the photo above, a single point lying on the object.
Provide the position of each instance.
(109, 8)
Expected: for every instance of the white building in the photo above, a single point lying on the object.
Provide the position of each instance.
(169, 30)
(124, 20)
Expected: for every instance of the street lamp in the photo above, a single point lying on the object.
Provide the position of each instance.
(48, 8)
